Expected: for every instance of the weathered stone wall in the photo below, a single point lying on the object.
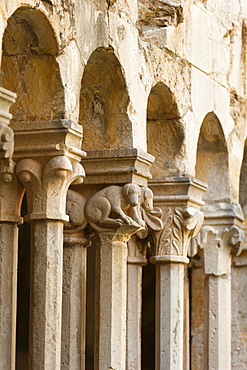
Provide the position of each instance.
(166, 77)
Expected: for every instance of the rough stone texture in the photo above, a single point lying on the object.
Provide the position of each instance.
(166, 77)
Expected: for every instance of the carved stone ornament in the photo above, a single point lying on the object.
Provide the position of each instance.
(6, 133)
(217, 250)
(75, 232)
(107, 209)
(180, 225)
(160, 13)
(47, 185)
(221, 236)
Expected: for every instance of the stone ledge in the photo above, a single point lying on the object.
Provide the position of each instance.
(117, 166)
(46, 139)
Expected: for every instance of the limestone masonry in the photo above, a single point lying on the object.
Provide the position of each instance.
(123, 184)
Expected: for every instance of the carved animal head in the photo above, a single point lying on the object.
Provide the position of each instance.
(75, 204)
(133, 194)
(147, 199)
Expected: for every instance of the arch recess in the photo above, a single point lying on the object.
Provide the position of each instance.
(243, 184)
(212, 165)
(103, 103)
(29, 67)
(165, 133)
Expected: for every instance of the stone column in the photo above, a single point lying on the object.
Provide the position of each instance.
(11, 193)
(74, 302)
(111, 298)
(221, 236)
(117, 166)
(46, 187)
(74, 285)
(136, 260)
(179, 199)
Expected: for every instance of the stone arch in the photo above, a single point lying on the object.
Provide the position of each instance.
(212, 164)
(165, 133)
(29, 67)
(243, 184)
(103, 103)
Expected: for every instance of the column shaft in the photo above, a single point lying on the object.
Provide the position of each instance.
(218, 319)
(74, 307)
(111, 287)
(134, 310)
(46, 294)
(8, 294)
(169, 316)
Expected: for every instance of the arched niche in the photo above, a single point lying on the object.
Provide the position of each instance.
(103, 103)
(29, 67)
(165, 134)
(212, 164)
(243, 184)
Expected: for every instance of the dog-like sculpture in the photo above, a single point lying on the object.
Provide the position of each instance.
(108, 208)
(147, 199)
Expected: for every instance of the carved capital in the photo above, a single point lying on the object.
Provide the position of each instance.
(218, 247)
(46, 186)
(6, 133)
(115, 207)
(220, 237)
(11, 193)
(180, 225)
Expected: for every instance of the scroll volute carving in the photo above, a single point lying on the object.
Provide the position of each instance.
(7, 98)
(160, 13)
(218, 247)
(180, 225)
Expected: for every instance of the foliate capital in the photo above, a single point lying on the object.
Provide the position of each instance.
(180, 225)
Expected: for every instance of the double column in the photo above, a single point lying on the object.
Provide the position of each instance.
(220, 238)
(11, 193)
(111, 302)
(46, 187)
(180, 200)
(118, 260)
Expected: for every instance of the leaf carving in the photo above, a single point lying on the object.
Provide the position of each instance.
(179, 226)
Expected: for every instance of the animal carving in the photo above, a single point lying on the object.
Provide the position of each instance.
(108, 207)
(75, 206)
(146, 202)
(147, 199)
